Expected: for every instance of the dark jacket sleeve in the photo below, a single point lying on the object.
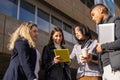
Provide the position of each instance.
(24, 57)
(116, 44)
(47, 58)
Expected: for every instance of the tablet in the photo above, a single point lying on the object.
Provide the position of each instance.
(106, 33)
(63, 53)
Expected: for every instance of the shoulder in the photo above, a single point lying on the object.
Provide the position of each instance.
(48, 47)
(91, 41)
(76, 45)
(22, 45)
(94, 41)
(21, 41)
(115, 18)
(63, 47)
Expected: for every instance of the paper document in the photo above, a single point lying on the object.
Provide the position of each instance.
(63, 53)
(106, 33)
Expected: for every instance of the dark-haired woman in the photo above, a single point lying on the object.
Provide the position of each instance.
(87, 65)
(54, 68)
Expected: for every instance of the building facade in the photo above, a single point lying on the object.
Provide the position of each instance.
(47, 14)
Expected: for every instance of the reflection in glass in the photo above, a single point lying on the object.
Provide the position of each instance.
(9, 7)
(67, 36)
(67, 28)
(27, 11)
(56, 21)
(43, 20)
(42, 24)
(43, 15)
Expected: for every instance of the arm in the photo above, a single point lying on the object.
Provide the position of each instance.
(47, 62)
(23, 50)
(72, 55)
(92, 46)
(116, 44)
(93, 57)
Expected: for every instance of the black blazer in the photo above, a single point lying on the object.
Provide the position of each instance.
(22, 63)
(54, 71)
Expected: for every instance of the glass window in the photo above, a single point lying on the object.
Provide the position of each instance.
(43, 15)
(83, 1)
(55, 21)
(67, 28)
(117, 2)
(43, 20)
(27, 11)
(88, 3)
(9, 7)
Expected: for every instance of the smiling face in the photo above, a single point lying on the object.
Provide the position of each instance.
(78, 34)
(34, 33)
(57, 37)
(96, 15)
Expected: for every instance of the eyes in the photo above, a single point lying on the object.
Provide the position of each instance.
(77, 32)
(92, 14)
(58, 35)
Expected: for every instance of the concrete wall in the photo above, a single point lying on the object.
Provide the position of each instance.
(8, 25)
(75, 9)
(117, 10)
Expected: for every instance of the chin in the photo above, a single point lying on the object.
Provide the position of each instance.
(58, 43)
(97, 22)
(34, 40)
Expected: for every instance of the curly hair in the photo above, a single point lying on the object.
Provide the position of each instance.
(22, 31)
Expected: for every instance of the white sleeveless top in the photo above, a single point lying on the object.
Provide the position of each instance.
(37, 66)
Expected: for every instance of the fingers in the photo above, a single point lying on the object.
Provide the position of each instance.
(83, 59)
(57, 59)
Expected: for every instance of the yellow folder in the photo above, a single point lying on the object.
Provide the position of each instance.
(63, 53)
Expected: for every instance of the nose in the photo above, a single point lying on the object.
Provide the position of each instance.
(93, 18)
(37, 33)
(76, 34)
(59, 37)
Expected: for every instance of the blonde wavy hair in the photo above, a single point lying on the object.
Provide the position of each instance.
(22, 31)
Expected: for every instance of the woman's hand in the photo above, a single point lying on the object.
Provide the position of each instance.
(83, 59)
(90, 59)
(57, 59)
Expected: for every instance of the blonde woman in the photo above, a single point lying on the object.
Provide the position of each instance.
(24, 55)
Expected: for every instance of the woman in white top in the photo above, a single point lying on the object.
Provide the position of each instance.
(88, 68)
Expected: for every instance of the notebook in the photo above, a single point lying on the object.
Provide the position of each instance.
(63, 53)
(106, 33)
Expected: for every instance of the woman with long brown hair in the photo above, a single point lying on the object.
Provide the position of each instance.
(54, 68)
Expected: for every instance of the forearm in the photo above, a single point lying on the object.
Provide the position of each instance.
(112, 45)
(94, 61)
